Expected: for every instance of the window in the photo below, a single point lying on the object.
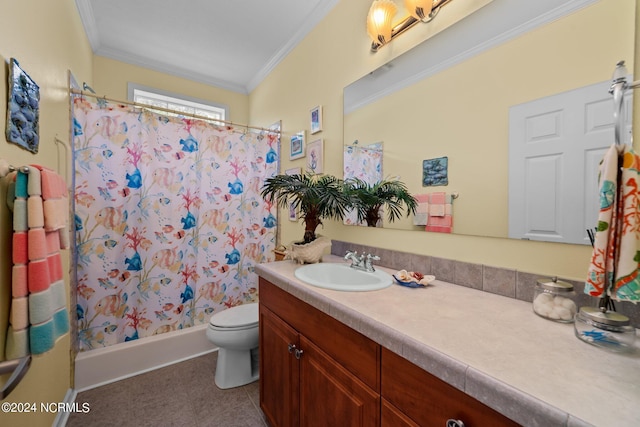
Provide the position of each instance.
(189, 106)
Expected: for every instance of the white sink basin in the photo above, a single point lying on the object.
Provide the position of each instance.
(341, 277)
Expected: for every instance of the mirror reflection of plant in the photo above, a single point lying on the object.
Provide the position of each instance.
(368, 199)
(316, 197)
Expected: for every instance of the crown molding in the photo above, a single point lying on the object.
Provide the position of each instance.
(321, 10)
(171, 70)
(85, 11)
(89, 23)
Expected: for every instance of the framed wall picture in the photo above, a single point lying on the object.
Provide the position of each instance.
(23, 112)
(316, 119)
(315, 156)
(293, 214)
(297, 146)
(435, 172)
(293, 171)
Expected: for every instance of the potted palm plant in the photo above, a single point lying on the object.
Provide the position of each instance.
(369, 200)
(316, 197)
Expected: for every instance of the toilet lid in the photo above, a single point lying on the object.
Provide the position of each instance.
(238, 316)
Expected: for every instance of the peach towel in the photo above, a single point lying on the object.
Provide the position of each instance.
(440, 213)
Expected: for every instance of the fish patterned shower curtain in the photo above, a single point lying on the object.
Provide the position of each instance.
(169, 220)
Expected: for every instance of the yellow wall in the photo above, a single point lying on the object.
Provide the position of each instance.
(47, 39)
(110, 79)
(336, 53)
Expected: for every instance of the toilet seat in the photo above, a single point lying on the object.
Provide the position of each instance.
(240, 317)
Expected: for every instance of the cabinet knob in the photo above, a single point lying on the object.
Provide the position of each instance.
(298, 354)
(454, 423)
(292, 347)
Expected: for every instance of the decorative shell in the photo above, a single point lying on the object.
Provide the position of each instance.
(414, 276)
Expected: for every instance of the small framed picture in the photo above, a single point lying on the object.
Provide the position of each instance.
(435, 172)
(316, 119)
(315, 157)
(23, 112)
(297, 146)
(293, 214)
(293, 171)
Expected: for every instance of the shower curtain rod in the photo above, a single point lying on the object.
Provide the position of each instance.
(168, 110)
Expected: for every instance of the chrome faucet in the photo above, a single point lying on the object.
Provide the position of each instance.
(368, 264)
(356, 261)
(361, 262)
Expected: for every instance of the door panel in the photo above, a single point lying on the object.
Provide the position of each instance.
(555, 146)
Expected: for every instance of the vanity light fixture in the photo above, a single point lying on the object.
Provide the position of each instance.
(381, 13)
(379, 21)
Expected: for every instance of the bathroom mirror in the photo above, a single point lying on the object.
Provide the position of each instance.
(451, 95)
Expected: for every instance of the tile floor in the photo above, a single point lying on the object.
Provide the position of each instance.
(183, 394)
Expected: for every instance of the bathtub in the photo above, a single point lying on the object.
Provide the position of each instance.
(105, 365)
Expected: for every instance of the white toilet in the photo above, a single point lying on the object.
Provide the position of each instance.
(235, 332)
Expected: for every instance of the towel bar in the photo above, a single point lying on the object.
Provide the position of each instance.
(618, 89)
(67, 149)
(23, 169)
(19, 368)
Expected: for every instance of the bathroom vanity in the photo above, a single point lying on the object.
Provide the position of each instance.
(425, 357)
(318, 371)
(313, 367)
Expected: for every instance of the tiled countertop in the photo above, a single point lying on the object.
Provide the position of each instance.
(494, 348)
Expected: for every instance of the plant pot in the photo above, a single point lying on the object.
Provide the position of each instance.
(280, 252)
(308, 253)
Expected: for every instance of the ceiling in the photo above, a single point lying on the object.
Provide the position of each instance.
(232, 44)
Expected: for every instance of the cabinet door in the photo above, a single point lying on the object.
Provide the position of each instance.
(352, 350)
(392, 417)
(279, 371)
(428, 400)
(332, 396)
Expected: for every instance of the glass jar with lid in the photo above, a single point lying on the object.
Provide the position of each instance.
(605, 328)
(554, 300)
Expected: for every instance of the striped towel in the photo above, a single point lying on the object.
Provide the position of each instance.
(38, 308)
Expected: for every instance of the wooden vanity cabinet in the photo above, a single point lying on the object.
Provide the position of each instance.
(314, 370)
(409, 391)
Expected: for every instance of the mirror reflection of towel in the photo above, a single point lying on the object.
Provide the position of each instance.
(440, 213)
(422, 210)
(437, 204)
(436, 210)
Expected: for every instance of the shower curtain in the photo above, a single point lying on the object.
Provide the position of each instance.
(364, 163)
(169, 220)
